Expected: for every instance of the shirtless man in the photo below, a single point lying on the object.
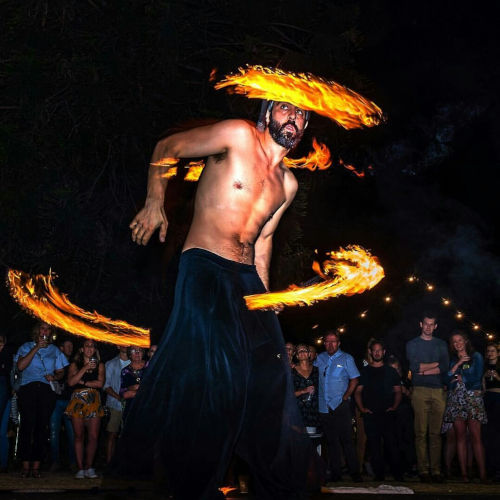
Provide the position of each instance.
(243, 192)
(220, 382)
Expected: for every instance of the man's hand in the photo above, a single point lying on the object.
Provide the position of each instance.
(365, 410)
(147, 221)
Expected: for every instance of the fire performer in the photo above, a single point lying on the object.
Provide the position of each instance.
(220, 380)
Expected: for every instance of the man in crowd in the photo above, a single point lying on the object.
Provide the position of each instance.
(378, 396)
(58, 416)
(338, 378)
(428, 358)
(111, 387)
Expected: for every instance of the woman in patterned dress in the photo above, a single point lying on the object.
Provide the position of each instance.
(465, 407)
(86, 375)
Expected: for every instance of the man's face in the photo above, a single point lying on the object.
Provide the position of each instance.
(428, 325)
(286, 124)
(377, 353)
(67, 348)
(332, 344)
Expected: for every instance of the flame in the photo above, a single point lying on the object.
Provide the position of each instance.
(352, 168)
(213, 75)
(346, 107)
(194, 171)
(319, 158)
(347, 272)
(227, 489)
(38, 295)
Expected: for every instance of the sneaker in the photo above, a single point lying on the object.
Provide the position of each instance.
(90, 474)
(80, 474)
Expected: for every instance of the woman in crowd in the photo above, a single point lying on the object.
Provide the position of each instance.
(305, 380)
(491, 381)
(86, 375)
(132, 376)
(465, 407)
(40, 363)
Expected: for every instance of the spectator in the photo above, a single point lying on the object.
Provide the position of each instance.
(152, 351)
(112, 386)
(313, 353)
(290, 351)
(40, 363)
(338, 378)
(86, 376)
(428, 358)
(305, 380)
(378, 396)
(58, 416)
(465, 407)
(131, 377)
(492, 404)
(6, 361)
(405, 434)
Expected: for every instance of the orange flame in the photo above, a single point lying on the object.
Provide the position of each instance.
(352, 168)
(213, 75)
(319, 158)
(227, 489)
(346, 107)
(347, 272)
(194, 171)
(38, 295)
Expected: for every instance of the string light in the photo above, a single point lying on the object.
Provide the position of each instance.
(490, 336)
(446, 302)
(459, 315)
(388, 298)
(363, 314)
(314, 327)
(318, 341)
(341, 329)
(476, 327)
(430, 287)
(412, 279)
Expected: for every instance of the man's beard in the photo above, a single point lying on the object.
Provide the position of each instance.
(283, 138)
(378, 359)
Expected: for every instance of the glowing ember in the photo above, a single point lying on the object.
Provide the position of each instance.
(194, 171)
(347, 272)
(38, 295)
(352, 168)
(227, 489)
(346, 107)
(319, 158)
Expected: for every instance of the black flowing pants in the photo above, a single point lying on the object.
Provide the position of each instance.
(36, 404)
(219, 383)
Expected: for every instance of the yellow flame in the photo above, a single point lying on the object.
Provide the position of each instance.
(346, 107)
(319, 158)
(38, 295)
(347, 272)
(166, 162)
(227, 489)
(194, 171)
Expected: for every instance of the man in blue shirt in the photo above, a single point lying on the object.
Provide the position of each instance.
(338, 378)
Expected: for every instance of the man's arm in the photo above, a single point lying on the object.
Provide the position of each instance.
(397, 398)
(359, 399)
(429, 368)
(353, 382)
(264, 243)
(195, 143)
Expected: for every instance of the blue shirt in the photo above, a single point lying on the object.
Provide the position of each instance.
(335, 372)
(45, 362)
(113, 379)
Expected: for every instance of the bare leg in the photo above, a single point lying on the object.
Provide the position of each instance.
(110, 446)
(477, 446)
(93, 426)
(79, 428)
(451, 450)
(460, 434)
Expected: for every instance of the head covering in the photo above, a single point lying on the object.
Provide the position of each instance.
(264, 108)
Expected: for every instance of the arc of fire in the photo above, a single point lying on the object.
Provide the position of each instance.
(38, 295)
(347, 272)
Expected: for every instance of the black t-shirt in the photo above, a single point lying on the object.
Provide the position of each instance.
(378, 387)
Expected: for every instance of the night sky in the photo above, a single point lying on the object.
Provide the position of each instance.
(88, 87)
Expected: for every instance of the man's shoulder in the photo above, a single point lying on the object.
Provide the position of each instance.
(112, 362)
(238, 127)
(414, 341)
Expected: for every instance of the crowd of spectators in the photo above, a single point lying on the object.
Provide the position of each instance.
(62, 405)
(48, 387)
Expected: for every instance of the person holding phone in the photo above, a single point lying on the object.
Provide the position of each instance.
(40, 363)
(86, 375)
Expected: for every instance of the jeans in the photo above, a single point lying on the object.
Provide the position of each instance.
(428, 406)
(4, 440)
(56, 420)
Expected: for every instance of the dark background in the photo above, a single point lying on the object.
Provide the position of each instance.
(88, 87)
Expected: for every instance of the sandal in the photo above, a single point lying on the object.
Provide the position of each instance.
(25, 473)
(35, 473)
